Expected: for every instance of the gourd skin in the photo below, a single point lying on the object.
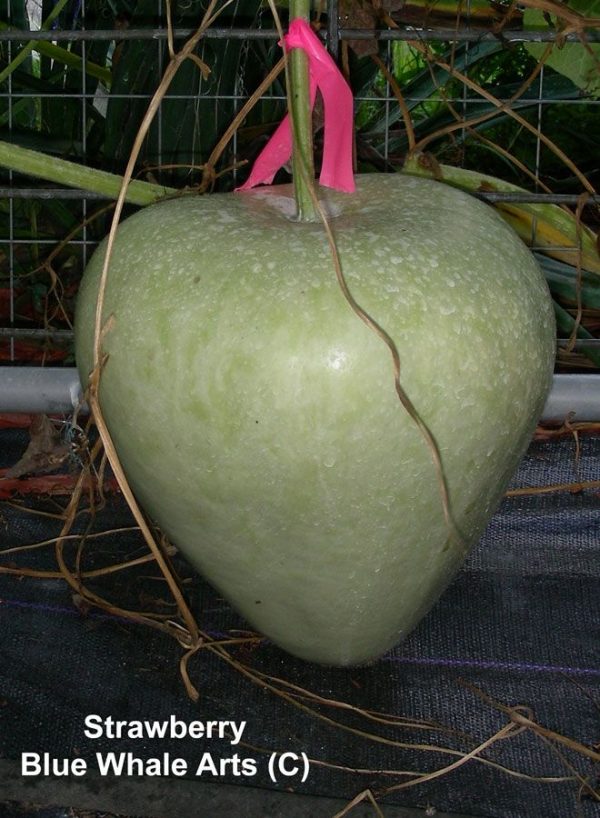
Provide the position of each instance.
(256, 418)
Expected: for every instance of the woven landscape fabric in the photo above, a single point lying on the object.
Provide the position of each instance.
(520, 623)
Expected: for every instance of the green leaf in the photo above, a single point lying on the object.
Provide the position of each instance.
(566, 324)
(579, 62)
(23, 53)
(548, 225)
(562, 281)
(194, 112)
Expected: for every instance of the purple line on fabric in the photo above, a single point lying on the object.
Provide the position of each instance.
(480, 664)
(494, 664)
(38, 606)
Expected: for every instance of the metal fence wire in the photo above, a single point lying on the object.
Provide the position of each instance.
(77, 89)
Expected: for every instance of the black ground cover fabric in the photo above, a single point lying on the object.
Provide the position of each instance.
(521, 622)
(12, 809)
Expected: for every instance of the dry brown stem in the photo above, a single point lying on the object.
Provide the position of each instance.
(33, 546)
(537, 132)
(365, 795)
(454, 534)
(519, 717)
(504, 732)
(574, 488)
(192, 636)
(505, 107)
(209, 168)
(404, 110)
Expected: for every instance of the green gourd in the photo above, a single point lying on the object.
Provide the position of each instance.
(256, 416)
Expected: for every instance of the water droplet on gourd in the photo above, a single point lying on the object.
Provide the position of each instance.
(447, 309)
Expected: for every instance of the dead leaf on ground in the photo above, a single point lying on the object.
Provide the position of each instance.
(46, 451)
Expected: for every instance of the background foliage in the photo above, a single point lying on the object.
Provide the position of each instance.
(84, 101)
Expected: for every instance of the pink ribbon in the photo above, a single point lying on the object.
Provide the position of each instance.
(336, 168)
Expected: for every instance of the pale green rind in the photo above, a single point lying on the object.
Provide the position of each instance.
(256, 416)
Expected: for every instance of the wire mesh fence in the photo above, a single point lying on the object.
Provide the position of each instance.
(477, 86)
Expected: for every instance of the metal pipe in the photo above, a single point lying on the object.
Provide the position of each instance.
(412, 33)
(487, 195)
(67, 335)
(333, 29)
(523, 103)
(465, 35)
(50, 390)
(37, 334)
(536, 198)
(49, 193)
(576, 394)
(39, 390)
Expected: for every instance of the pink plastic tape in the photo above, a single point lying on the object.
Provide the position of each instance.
(336, 168)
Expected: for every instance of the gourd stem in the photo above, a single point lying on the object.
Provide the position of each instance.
(300, 113)
(72, 174)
